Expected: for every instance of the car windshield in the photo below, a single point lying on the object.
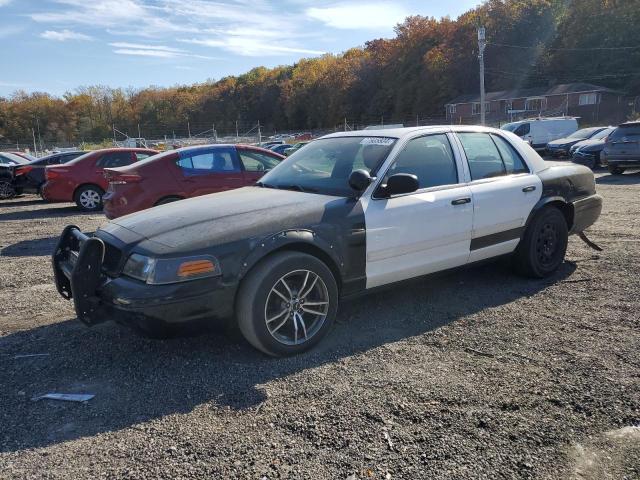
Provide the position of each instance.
(602, 134)
(510, 127)
(324, 165)
(584, 133)
(12, 159)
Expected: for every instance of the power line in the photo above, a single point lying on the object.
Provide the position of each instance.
(577, 49)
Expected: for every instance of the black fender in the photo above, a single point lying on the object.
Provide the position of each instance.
(295, 239)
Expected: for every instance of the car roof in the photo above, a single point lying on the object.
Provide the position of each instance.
(410, 131)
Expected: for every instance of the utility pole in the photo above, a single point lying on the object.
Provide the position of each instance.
(39, 138)
(113, 126)
(35, 149)
(215, 134)
(259, 134)
(237, 136)
(139, 134)
(482, 43)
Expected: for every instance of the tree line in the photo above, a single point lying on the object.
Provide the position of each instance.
(427, 62)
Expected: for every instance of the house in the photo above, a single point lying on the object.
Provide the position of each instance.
(592, 103)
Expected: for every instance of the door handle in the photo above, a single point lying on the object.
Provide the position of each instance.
(530, 188)
(461, 201)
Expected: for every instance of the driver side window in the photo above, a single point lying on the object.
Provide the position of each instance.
(430, 159)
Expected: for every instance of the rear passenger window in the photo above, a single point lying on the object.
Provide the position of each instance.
(204, 163)
(512, 160)
(482, 154)
(114, 159)
(430, 159)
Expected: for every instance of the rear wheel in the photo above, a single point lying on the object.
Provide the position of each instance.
(544, 244)
(287, 303)
(89, 198)
(616, 170)
(6, 190)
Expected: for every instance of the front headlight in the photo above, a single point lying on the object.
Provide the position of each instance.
(139, 267)
(162, 271)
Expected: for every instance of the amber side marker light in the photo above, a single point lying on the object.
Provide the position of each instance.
(195, 267)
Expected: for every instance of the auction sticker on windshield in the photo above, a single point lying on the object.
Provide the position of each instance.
(383, 141)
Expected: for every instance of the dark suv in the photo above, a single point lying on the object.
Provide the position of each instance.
(622, 149)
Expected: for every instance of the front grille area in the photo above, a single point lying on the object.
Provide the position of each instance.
(112, 260)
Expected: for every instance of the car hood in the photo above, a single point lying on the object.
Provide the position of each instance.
(219, 218)
(565, 141)
(590, 144)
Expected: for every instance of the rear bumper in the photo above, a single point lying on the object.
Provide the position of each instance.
(585, 212)
(53, 192)
(628, 163)
(97, 297)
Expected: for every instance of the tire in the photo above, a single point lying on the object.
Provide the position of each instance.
(88, 198)
(616, 170)
(165, 200)
(7, 190)
(268, 314)
(544, 244)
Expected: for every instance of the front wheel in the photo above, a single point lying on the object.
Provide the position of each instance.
(544, 244)
(6, 190)
(287, 303)
(616, 170)
(89, 198)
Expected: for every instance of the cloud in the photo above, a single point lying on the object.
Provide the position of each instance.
(356, 16)
(4, 2)
(250, 46)
(64, 35)
(159, 51)
(242, 27)
(145, 53)
(139, 46)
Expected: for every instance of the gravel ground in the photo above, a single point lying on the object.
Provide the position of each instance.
(478, 374)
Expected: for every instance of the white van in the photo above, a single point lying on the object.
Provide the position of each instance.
(540, 131)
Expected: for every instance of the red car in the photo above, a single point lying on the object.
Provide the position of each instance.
(183, 173)
(82, 180)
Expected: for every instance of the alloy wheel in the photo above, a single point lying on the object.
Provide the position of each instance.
(6, 190)
(89, 199)
(296, 307)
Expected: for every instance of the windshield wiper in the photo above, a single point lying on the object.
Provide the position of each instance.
(264, 185)
(298, 188)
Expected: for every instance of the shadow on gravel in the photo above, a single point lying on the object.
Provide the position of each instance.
(22, 203)
(136, 379)
(71, 210)
(624, 179)
(30, 248)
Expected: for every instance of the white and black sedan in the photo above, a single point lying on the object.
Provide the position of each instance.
(345, 214)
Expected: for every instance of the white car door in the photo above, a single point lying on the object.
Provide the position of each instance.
(424, 231)
(503, 189)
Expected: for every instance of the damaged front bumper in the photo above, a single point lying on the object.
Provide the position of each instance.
(99, 297)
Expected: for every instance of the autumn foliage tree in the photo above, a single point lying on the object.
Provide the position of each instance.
(413, 74)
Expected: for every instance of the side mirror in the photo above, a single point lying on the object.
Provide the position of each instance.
(401, 183)
(359, 180)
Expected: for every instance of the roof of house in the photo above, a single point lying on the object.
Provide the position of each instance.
(561, 89)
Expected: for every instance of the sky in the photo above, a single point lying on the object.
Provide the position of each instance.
(55, 46)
